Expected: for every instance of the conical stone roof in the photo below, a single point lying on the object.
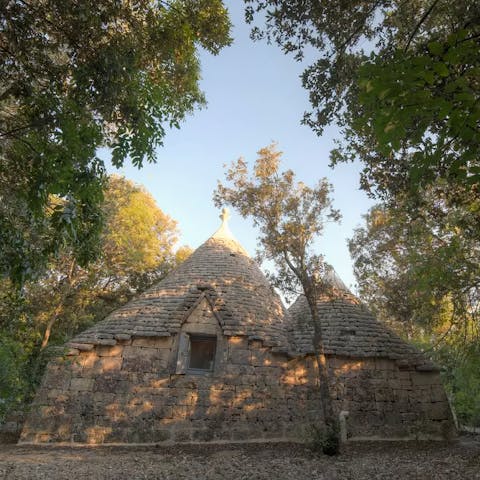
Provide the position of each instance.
(221, 271)
(349, 329)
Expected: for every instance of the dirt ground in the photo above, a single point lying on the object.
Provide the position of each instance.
(372, 461)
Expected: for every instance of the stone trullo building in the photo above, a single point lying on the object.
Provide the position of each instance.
(211, 354)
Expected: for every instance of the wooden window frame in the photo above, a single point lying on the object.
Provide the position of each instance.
(184, 354)
(200, 337)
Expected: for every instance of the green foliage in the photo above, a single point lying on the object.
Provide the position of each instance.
(399, 77)
(291, 217)
(22, 364)
(12, 378)
(325, 440)
(419, 272)
(68, 297)
(423, 105)
(76, 76)
(420, 267)
(464, 383)
(459, 356)
(20, 361)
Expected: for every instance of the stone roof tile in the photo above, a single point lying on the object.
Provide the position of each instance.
(350, 330)
(219, 270)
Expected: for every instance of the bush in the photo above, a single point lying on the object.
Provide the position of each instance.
(461, 377)
(464, 384)
(21, 370)
(13, 381)
(326, 439)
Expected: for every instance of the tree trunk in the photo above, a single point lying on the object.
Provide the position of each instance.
(323, 375)
(69, 281)
(331, 445)
(48, 329)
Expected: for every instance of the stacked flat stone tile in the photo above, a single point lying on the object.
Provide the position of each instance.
(126, 379)
(350, 330)
(219, 270)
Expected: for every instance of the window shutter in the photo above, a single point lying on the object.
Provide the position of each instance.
(183, 353)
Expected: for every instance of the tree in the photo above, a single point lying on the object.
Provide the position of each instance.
(420, 274)
(416, 268)
(138, 236)
(137, 250)
(76, 76)
(290, 216)
(401, 78)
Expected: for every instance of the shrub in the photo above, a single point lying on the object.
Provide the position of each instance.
(325, 439)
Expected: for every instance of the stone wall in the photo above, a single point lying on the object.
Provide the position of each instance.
(130, 393)
(125, 394)
(385, 401)
(11, 427)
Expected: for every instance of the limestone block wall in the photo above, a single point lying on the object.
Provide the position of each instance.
(385, 401)
(129, 393)
(131, 390)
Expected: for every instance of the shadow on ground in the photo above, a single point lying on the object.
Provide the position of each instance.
(414, 460)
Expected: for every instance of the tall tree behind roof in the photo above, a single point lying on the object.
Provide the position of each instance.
(77, 75)
(291, 217)
(137, 249)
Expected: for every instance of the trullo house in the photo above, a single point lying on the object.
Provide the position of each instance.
(211, 354)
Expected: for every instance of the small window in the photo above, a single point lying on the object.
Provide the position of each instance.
(202, 353)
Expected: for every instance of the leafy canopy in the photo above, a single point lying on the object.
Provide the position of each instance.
(76, 76)
(138, 236)
(401, 78)
(137, 248)
(421, 268)
(290, 215)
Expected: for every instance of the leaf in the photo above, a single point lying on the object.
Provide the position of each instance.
(384, 93)
(428, 76)
(435, 48)
(94, 83)
(441, 69)
(390, 127)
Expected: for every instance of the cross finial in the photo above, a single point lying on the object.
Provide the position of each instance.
(225, 215)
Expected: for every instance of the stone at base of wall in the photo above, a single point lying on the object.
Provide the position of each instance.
(467, 429)
(409, 438)
(9, 437)
(161, 444)
(11, 428)
(434, 438)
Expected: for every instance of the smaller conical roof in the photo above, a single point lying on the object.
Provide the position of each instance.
(332, 280)
(221, 271)
(349, 329)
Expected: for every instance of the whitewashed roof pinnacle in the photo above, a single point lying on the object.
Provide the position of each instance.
(225, 235)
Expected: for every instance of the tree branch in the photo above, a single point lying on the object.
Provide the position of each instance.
(27, 143)
(292, 266)
(345, 43)
(11, 133)
(420, 22)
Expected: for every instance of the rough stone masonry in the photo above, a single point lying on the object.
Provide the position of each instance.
(211, 354)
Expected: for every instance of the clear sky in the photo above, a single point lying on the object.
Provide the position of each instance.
(254, 97)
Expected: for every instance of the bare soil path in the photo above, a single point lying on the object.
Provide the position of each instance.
(365, 461)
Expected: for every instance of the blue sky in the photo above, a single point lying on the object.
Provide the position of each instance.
(254, 97)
